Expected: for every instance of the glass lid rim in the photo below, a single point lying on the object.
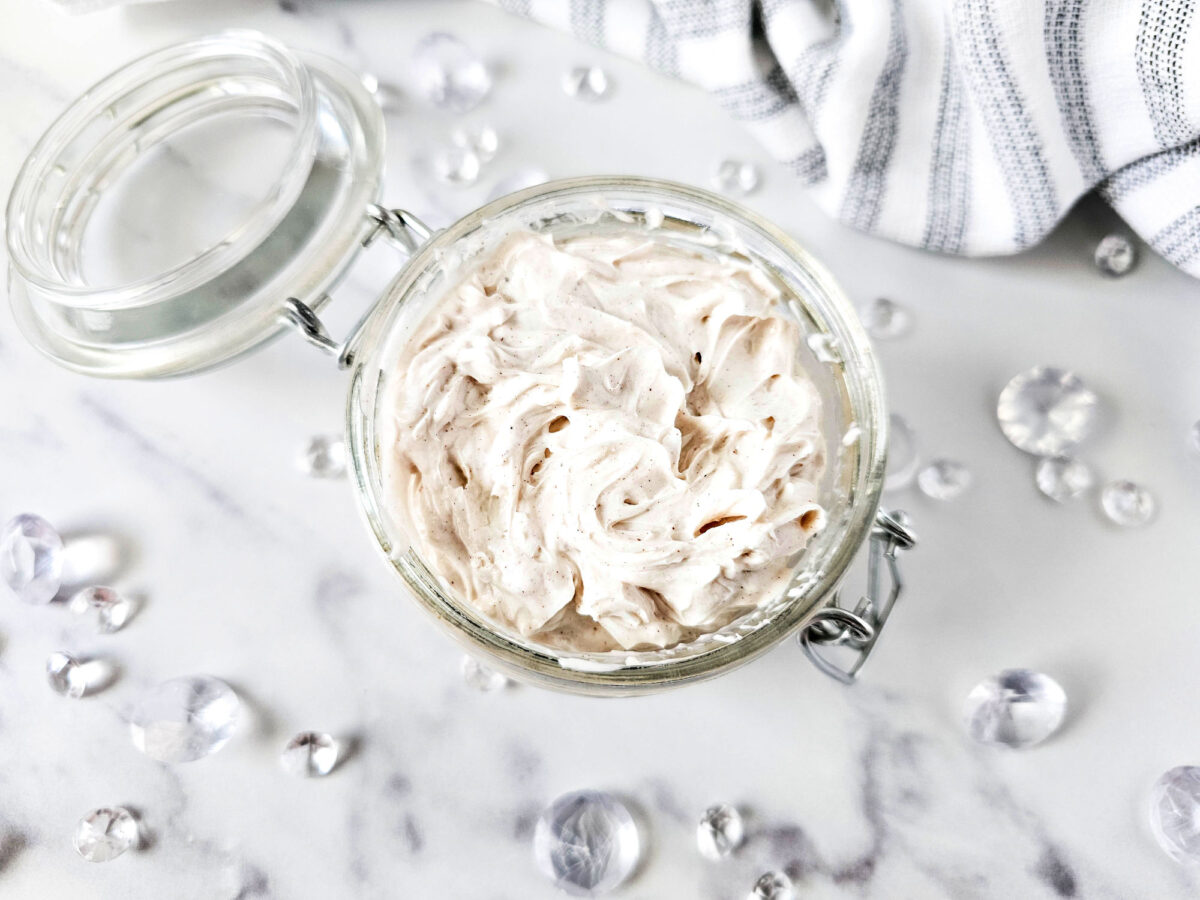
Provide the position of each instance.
(233, 44)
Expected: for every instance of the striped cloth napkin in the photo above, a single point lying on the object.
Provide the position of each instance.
(965, 126)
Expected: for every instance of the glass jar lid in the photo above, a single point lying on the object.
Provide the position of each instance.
(162, 223)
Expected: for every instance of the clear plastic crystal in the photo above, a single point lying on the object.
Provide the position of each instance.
(884, 319)
(720, 832)
(106, 608)
(449, 73)
(586, 842)
(1016, 707)
(1046, 411)
(310, 754)
(1063, 478)
(324, 456)
(67, 675)
(944, 479)
(902, 458)
(586, 83)
(734, 176)
(185, 719)
(456, 165)
(1127, 504)
(1115, 255)
(480, 677)
(482, 140)
(527, 177)
(1175, 813)
(772, 886)
(31, 558)
(104, 834)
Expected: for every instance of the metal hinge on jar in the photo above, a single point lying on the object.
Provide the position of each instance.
(404, 230)
(859, 629)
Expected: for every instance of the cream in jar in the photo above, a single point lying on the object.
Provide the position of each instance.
(606, 441)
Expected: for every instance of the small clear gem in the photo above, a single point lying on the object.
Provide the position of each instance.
(902, 459)
(885, 319)
(1016, 707)
(67, 675)
(31, 558)
(1063, 478)
(720, 832)
(519, 180)
(104, 834)
(944, 479)
(449, 73)
(480, 677)
(310, 754)
(324, 456)
(1046, 411)
(482, 140)
(772, 886)
(734, 176)
(1175, 813)
(586, 83)
(1127, 504)
(1115, 255)
(586, 842)
(456, 165)
(108, 609)
(185, 719)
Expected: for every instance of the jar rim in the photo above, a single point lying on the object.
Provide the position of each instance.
(295, 241)
(233, 47)
(630, 671)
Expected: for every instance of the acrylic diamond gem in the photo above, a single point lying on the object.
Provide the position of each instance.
(1115, 255)
(106, 608)
(31, 558)
(1016, 707)
(733, 176)
(884, 319)
(67, 675)
(185, 719)
(944, 479)
(1046, 411)
(586, 843)
(586, 83)
(482, 140)
(772, 886)
(1063, 478)
(1175, 813)
(720, 832)
(1127, 504)
(902, 459)
(104, 834)
(324, 456)
(457, 166)
(449, 73)
(310, 754)
(480, 677)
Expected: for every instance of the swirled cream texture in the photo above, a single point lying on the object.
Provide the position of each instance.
(607, 441)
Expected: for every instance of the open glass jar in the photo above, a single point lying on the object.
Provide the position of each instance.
(271, 268)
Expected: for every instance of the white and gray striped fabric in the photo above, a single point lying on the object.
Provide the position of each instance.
(965, 126)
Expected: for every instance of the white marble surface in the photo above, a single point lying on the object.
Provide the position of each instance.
(253, 573)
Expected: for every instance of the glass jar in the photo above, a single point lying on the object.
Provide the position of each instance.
(274, 268)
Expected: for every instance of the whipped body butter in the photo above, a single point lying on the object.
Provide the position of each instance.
(606, 440)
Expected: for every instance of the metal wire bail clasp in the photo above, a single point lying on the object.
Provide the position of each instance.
(859, 629)
(405, 231)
